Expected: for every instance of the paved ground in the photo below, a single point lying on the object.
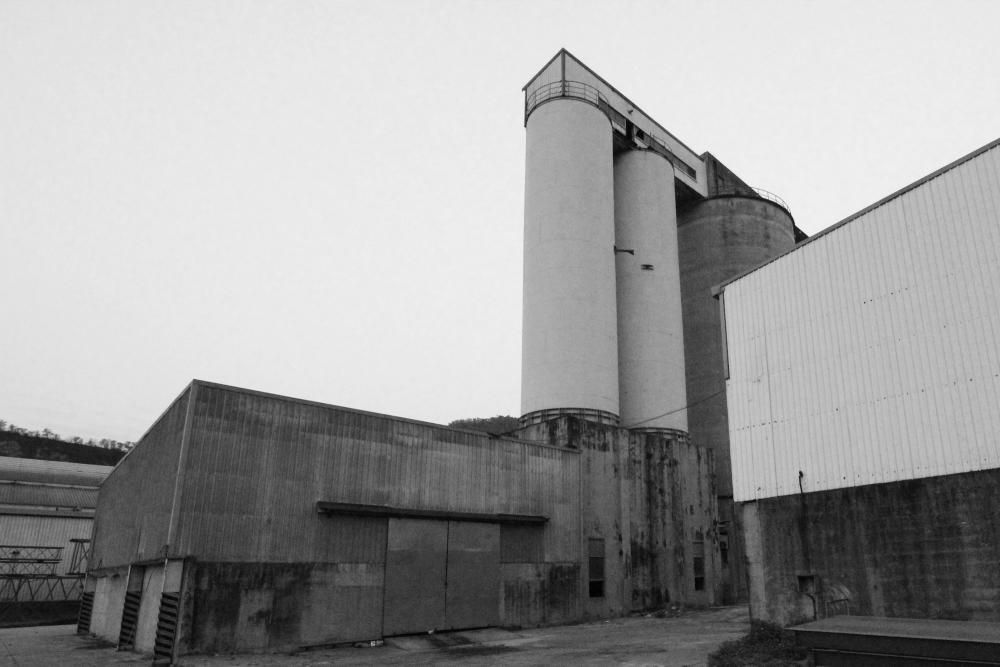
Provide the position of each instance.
(686, 639)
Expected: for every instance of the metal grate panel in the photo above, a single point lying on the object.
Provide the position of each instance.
(83, 618)
(166, 628)
(130, 621)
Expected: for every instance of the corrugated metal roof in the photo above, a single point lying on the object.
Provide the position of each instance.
(52, 472)
(871, 354)
(46, 495)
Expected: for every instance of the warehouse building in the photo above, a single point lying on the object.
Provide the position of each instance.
(245, 521)
(46, 518)
(863, 392)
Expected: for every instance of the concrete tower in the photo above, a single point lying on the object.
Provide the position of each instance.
(620, 323)
(650, 332)
(570, 341)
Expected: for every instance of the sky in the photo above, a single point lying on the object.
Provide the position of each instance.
(325, 199)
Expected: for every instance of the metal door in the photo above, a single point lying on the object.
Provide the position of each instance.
(473, 582)
(415, 562)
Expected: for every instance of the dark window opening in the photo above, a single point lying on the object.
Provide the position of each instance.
(595, 569)
(698, 558)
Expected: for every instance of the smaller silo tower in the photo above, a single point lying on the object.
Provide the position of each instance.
(650, 332)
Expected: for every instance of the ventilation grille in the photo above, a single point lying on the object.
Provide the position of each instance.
(166, 628)
(83, 618)
(130, 621)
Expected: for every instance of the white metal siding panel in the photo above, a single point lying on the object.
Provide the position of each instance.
(871, 354)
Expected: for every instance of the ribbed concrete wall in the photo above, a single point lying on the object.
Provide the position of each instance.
(650, 332)
(135, 501)
(569, 341)
(254, 457)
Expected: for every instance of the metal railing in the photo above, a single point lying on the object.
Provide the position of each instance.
(583, 91)
(759, 193)
(771, 197)
(575, 89)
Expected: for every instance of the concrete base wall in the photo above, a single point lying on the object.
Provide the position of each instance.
(149, 609)
(925, 548)
(243, 607)
(109, 600)
(652, 500)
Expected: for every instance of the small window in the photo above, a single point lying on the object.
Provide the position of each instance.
(595, 551)
(698, 558)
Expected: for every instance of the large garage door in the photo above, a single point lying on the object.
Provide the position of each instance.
(441, 575)
(415, 576)
(473, 588)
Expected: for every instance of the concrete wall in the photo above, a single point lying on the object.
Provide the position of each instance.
(109, 600)
(648, 497)
(272, 572)
(719, 239)
(924, 548)
(149, 608)
(136, 499)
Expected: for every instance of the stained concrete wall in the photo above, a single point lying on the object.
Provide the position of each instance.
(109, 600)
(923, 548)
(651, 499)
(719, 239)
(134, 504)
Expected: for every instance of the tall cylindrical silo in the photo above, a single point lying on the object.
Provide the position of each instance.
(569, 338)
(650, 331)
(720, 238)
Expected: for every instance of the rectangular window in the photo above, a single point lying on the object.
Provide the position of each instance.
(595, 552)
(698, 557)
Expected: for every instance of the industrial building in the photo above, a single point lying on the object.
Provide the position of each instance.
(626, 232)
(46, 519)
(864, 408)
(246, 521)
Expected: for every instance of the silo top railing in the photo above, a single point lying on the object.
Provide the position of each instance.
(583, 91)
(771, 197)
(760, 193)
(575, 89)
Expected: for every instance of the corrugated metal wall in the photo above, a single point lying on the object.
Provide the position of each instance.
(254, 458)
(134, 503)
(45, 531)
(871, 354)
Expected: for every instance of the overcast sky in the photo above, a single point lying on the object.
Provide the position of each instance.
(324, 199)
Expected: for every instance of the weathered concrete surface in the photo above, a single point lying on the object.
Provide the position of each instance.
(640, 640)
(718, 239)
(924, 548)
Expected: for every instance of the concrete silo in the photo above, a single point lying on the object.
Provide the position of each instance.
(569, 344)
(650, 333)
(718, 239)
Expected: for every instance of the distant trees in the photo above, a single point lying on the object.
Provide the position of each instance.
(106, 443)
(498, 425)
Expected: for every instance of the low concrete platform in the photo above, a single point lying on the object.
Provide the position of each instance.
(683, 640)
(870, 640)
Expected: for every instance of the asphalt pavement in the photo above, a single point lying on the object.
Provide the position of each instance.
(682, 638)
